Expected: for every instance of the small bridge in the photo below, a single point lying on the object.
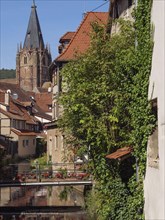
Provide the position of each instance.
(47, 183)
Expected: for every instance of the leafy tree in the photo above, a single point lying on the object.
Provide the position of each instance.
(95, 105)
(7, 73)
(94, 85)
(105, 107)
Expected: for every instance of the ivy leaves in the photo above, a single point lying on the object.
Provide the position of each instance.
(95, 82)
(105, 106)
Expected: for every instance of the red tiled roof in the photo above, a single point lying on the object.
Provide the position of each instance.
(19, 112)
(81, 39)
(44, 100)
(2, 96)
(120, 153)
(22, 95)
(23, 132)
(18, 108)
(67, 36)
(11, 115)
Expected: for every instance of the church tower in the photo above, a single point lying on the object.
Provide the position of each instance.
(33, 59)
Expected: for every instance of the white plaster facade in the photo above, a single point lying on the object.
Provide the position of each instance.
(154, 183)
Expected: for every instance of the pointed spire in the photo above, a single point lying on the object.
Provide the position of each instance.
(33, 38)
(33, 5)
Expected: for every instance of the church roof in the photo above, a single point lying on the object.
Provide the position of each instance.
(33, 38)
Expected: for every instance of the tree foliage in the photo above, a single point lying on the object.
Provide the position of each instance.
(7, 73)
(93, 88)
(105, 107)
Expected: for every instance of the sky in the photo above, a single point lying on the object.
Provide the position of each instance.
(56, 17)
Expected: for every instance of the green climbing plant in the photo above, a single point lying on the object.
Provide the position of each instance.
(106, 107)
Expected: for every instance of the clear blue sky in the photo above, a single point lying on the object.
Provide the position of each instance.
(56, 18)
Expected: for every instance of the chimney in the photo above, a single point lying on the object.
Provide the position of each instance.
(7, 97)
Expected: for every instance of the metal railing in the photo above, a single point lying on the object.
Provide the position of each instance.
(47, 172)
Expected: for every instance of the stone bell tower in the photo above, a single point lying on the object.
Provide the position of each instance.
(33, 58)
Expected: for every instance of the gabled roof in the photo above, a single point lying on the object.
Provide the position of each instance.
(23, 132)
(11, 115)
(81, 40)
(33, 38)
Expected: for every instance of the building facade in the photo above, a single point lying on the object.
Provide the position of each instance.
(18, 128)
(21, 120)
(33, 58)
(154, 183)
(154, 180)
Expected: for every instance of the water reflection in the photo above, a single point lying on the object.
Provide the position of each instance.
(43, 197)
(69, 216)
(77, 216)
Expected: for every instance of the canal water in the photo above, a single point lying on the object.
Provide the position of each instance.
(42, 203)
(45, 203)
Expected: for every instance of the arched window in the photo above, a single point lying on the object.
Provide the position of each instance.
(25, 60)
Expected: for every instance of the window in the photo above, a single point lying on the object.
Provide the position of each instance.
(49, 107)
(50, 157)
(43, 61)
(60, 49)
(14, 123)
(25, 60)
(55, 77)
(153, 150)
(22, 125)
(25, 143)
